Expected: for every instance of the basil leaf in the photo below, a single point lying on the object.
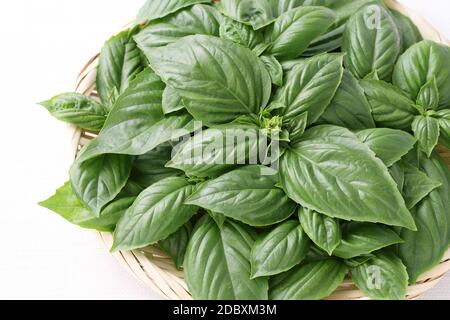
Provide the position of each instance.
(137, 125)
(408, 30)
(383, 277)
(216, 151)
(419, 64)
(429, 95)
(415, 184)
(316, 173)
(199, 19)
(155, 9)
(388, 144)
(119, 63)
(425, 248)
(297, 127)
(274, 68)
(279, 250)
(176, 244)
(218, 218)
(444, 124)
(390, 107)
(171, 101)
(240, 33)
(310, 87)
(349, 107)
(217, 265)
(158, 212)
(309, 281)
(372, 42)
(324, 231)
(234, 83)
(77, 109)
(426, 130)
(151, 167)
(364, 238)
(246, 195)
(257, 13)
(99, 180)
(66, 204)
(293, 31)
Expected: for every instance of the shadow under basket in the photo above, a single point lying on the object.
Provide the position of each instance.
(156, 269)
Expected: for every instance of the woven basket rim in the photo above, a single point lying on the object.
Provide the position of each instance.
(156, 270)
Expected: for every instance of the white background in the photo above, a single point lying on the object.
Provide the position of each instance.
(43, 44)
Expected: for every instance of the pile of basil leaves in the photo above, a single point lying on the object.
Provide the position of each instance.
(360, 107)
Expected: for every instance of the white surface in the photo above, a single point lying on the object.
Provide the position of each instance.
(43, 45)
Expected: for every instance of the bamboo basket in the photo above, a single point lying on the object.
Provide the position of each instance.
(156, 270)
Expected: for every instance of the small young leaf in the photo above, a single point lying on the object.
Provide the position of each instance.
(429, 95)
(77, 109)
(240, 33)
(383, 277)
(279, 250)
(324, 231)
(426, 130)
(274, 68)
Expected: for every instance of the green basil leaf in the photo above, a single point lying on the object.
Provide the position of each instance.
(240, 33)
(158, 212)
(99, 180)
(383, 277)
(388, 144)
(408, 30)
(315, 172)
(199, 19)
(77, 109)
(216, 151)
(217, 265)
(444, 124)
(419, 64)
(217, 79)
(176, 244)
(293, 31)
(137, 125)
(279, 250)
(426, 130)
(309, 281)
(372, 42)
(120, 62)
(155, 9)
(349, 107)
(429, 95)
(310, 87)
(415, 185)
(274, 68)
(425, 248)
(358, 261)
(151, 167)
(390, 107)
(246, 195)
(257, 13)
(219, 218)
(66, 204)
(171, 101)
(324, 231)
(364, 238)
(297, 127)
